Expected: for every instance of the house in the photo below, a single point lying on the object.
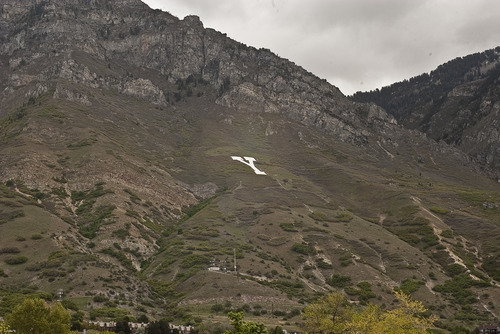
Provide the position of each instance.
(489, 329)
(214, 269)
(102, 326)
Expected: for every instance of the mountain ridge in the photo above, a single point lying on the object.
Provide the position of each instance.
(198, 61)
(455, 103)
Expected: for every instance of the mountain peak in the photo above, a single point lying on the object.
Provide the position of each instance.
(456, 103)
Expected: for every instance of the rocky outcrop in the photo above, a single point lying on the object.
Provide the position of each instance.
(145, 89)
(456, 103)
(128, 32)
(112, 45)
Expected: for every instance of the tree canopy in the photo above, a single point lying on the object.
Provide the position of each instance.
(244, 327)
(329, 314)
(161, 326)
(4, 328)
(332, 314)
(35, 316)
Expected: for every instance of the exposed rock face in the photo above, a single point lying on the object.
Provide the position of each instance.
(457, 103)
(125, 47)
(129, 32)
(145, 89)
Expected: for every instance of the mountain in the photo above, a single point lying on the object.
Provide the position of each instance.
(457, 103)
(120, 187)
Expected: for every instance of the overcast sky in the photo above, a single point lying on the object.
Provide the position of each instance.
(357, 45)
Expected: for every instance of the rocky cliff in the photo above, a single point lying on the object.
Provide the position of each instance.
(65, 35)
(457, 103)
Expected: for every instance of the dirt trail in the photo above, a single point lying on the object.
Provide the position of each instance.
(438, 227)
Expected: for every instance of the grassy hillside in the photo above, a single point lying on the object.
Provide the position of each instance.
(125, 206)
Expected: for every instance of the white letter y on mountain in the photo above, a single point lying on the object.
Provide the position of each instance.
(249, 164)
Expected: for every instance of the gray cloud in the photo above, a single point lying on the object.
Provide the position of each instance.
(354, 44)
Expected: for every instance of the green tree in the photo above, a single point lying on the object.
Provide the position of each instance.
(332, 314)
(216, 308)
(244, 327)
(4, 328)
(329, 314)
(276, 330)
(77, 321)
(143, 318)
(35, 316)
(365, 321)
(158, 327)
(405, 319)
(122, 326)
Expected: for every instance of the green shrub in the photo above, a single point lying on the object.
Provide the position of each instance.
(364, 292)
(322, 264)
(194, 260)
(10, 250)
(154, 226)
(278, 241)
(439, 210)
(90, 222)
(263, 237)
(344, 217)
(121, 233)
(491, 265)
(108, 312)
(70, 305)
(290, 288)
(201, 232)
(339, 281)
(409, 286)
(447, 234)
(59, 191)
(459, 288)
(133, 197)
(165, 289)
(120, 256)
(16, 260)
(455, 269)
(288, 227)
(319, 216)
(62, 179)
(304, 248)
(100, 299)
(89, 194)
(15, 214)
(345, 260)
(192, 210)
(409, 211)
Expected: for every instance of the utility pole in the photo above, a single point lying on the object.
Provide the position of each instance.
(234, 251)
